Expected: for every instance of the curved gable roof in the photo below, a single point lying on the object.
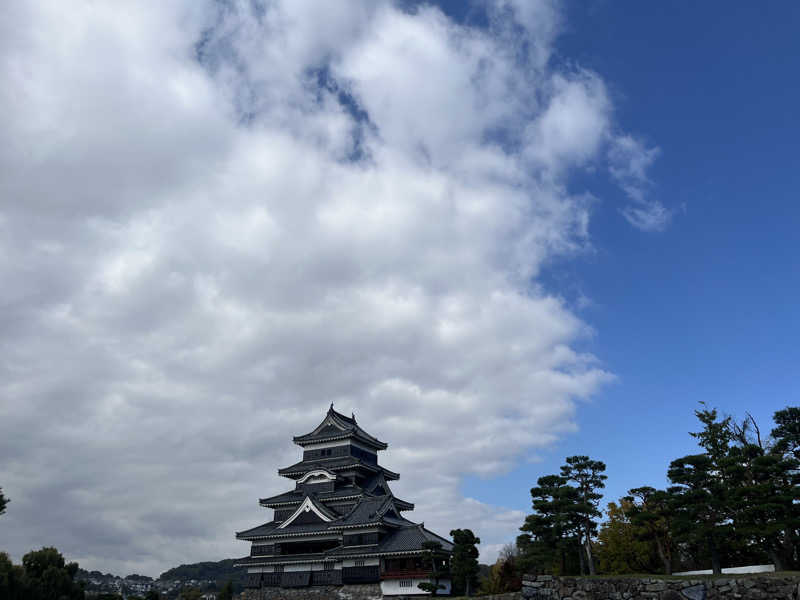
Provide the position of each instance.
(308, 505)
(337, 426)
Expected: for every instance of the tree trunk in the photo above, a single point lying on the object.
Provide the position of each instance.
(775, 557)
(716, 565)
(790, 549)
(466, 588)
(434, 575)
(665, 560)
(589, 557)
(581, 559)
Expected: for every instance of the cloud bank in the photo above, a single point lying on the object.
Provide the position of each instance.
(217, 218)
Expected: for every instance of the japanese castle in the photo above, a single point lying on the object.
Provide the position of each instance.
(341, 524)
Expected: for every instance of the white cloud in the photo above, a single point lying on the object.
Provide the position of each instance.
(216, 220)
(629, 160)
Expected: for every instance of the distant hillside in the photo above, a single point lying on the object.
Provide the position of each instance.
(220, 572)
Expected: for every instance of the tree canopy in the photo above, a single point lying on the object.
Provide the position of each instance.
(43, 575)
(464, 562)
(432, 552)
(564, 520)
(733, 503)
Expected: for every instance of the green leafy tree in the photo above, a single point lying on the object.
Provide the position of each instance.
(190, 594)
(3, 502)
(47, 576)
(432, 552)
(226, 593)
(464, 562)
(651, 514)
(588, 477)
(152, 595)
(619, 549)
(13, 585)
(504, 575)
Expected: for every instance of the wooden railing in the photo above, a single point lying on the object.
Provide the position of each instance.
(369, 574)
(330, 577)
(271, 579)
(406, 574)
(262, 550)
(295, 578)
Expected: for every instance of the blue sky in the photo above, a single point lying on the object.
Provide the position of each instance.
(707, 309)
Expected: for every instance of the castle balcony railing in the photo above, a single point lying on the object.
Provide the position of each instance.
(264, 550)
(257, 580)
(329, 577)
(271, 579)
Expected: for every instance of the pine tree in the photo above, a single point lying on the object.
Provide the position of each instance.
(464, 561)
(787, 431)
(764, 485)
(588, 477)
(551, 532)
(432, 553)
(703, 509)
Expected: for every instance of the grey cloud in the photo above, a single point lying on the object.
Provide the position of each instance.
(187, 288)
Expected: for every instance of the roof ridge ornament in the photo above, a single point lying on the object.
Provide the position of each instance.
(308, 505)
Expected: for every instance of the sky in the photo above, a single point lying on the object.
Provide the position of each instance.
(500, 232)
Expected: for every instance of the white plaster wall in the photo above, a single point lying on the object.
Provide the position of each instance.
(303, 538)
(326, 445)
(368, 562)
(734, 570)
(391, 587)
(297, 567)
(321, 445)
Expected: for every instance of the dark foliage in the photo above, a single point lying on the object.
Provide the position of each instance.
(43, 575)
(734, 503)
(464, 562)
(433, 555)
(561, 528)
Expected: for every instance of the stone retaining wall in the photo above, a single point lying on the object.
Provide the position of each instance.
(547, 587)
(370, 591)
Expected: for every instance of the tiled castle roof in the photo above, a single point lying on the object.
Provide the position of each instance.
(338, 500)
(337, 426)
(335, 464)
